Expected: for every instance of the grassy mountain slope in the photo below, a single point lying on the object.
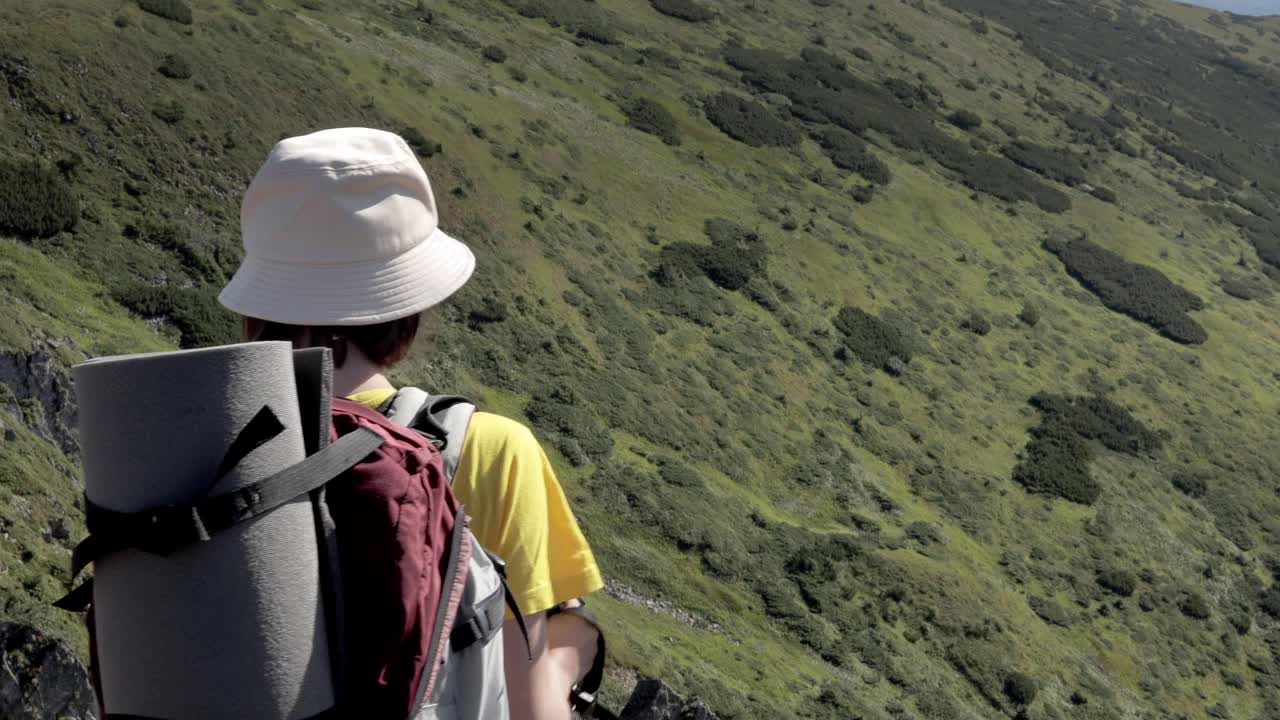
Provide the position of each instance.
(789, 377)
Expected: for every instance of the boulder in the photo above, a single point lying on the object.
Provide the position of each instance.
(40, 677)
(654, 700)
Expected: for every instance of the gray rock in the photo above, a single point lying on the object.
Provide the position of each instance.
(895, 366)
(653, 700)
(41, 678)
(39, 378)
(58, 529)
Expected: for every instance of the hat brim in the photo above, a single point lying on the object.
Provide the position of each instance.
(351, 293)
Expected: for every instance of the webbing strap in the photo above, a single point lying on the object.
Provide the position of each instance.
(162, 531)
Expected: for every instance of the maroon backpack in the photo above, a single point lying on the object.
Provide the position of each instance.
(394, 544)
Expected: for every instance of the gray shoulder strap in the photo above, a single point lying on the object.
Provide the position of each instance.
(443, 418)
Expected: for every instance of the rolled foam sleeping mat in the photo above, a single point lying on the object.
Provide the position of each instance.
(229, 628)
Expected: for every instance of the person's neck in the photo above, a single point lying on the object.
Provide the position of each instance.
(358, 375)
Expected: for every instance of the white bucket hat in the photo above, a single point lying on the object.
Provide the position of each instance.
(340, 228)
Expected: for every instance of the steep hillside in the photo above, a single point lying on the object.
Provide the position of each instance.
(902, 359)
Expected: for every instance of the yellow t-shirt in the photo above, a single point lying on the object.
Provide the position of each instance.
(518, 511)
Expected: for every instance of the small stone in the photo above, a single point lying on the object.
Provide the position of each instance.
(58, 529)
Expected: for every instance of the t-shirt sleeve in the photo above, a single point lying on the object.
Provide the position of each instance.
(519, 511)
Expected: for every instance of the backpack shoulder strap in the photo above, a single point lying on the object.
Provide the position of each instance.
(442, 418)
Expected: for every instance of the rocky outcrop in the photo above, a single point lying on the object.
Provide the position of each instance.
(654, 700)
(41, 678)
(39, 394)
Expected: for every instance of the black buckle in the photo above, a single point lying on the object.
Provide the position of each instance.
(167, 530)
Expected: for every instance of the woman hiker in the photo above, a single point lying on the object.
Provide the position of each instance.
(343, 249)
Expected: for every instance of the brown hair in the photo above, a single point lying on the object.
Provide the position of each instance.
(385, 344)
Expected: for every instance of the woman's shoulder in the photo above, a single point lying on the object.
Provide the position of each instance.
(494, 432)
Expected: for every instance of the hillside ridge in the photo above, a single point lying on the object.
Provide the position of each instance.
(902, 359)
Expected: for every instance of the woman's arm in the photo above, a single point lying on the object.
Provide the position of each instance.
(563, 648)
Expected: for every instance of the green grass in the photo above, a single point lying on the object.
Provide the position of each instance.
(739, 398)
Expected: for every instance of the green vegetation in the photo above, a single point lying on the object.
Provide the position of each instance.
(1139, 291)
(965, 120)
(1056, 462)
(862, 553)
(873, 340)
(748, 122)
(35, 201)
(847, 151)
(650, 116)
(175, 67)
(176, 10)
(683, 9)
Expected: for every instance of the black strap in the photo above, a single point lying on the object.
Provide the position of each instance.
(163, 531)
(501, 566)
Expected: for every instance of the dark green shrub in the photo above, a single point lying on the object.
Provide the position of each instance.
(1030, 314)
(734, 257)
(558, 411)
(748, 122)
(1056, 461)
(1104, 194)
(965, 120)
(518, 74)
(871, 339)
(195, 313)
(648, 116)
(849, 152)
(175, 67)
(1060, 165)
(176, 239)
(1270, 601)
(968, 84)
(1191, 484)
(980, 26)
(169, 111)
(863, 54)
(35, 201)
(421, 144)
(1194, 606)
(175, 10)
(1020, 688)
(683, 9)
(976, 323)
(1139, 291)
(1121, 582)
(494, 53)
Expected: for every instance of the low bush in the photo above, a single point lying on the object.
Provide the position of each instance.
(587, 21)
(735, 256)
(1120, 582)
(1190, 484)
(1139, 291)
(1060, 165)
(194, 312)
(873, 340)
(421, 144)
(494, 53)
(965, 120)
(175, 67)
(1030, 314)
(1056, 461)
(976, 323)
(169, 111)
(35, 201)
(176, 10)
(687, 10)
(176, 239)
(748, 122)
(559, 412)
(849, 152)
(648, 116)
(1194, 606)
(1020, 688)
(1104, 194)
